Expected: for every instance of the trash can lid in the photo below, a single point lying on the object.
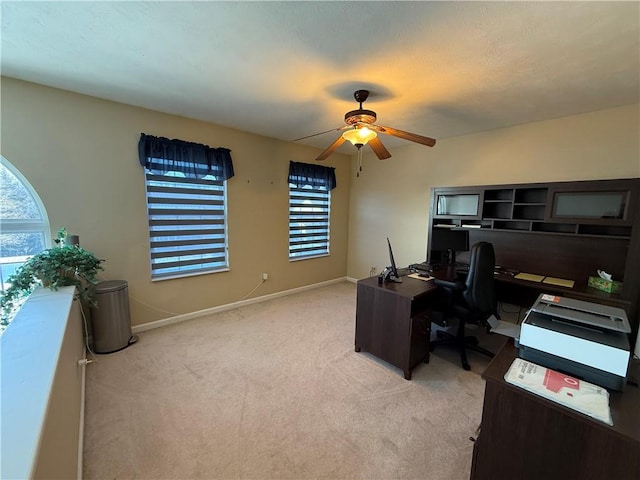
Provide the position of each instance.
(110, 286)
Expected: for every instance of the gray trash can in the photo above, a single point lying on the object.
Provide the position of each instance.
(111, 319)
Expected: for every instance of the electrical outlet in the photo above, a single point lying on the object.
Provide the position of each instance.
(265, 276)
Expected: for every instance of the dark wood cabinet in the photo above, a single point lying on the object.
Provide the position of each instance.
(525, 436)
(558, 208)
(594, 203)
(461, 203)
(393, 321)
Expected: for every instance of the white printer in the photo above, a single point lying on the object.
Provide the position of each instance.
(582, 339)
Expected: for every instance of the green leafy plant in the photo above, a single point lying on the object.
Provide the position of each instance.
(55, 267)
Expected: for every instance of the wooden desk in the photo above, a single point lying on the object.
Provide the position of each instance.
(550, 229)
(524, 293)
(393, 321)
(525, 436)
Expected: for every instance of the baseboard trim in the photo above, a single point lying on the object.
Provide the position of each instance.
(352, 280)
(230, 306)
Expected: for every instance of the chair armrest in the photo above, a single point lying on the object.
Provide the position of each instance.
(456, 286)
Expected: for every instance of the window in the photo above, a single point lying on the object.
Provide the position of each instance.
(187, 225)
(186, 206)
(309, 210)
(308, 221)
(23, 221)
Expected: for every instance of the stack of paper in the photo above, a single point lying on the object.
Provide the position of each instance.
(532, 277)
(562, 282)
(584, 397)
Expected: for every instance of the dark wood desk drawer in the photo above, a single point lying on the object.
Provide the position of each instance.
(393, 321)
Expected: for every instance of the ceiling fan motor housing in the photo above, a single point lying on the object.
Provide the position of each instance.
(359, 116)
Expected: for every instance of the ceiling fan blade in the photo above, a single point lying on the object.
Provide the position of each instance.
(344, 127)
(413, 137)
(379, 149)
(339, 141)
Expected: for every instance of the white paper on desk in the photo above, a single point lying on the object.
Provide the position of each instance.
(418, 277)
(507, 329)
(579, 395)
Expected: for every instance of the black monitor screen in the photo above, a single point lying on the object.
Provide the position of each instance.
(394, 270)
(444, 239)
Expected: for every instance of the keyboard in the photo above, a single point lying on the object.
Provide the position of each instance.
(422, 267)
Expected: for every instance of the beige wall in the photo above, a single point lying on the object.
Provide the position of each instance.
(80, 154)
(391, 197)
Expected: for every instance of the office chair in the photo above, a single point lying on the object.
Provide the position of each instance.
(471, 301)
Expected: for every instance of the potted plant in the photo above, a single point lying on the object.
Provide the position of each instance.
(54, 267)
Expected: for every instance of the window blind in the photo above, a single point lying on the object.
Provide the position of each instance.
(187, 225)
(309, 209)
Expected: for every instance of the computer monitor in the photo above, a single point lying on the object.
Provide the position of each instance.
(391, 272)
(444, 244)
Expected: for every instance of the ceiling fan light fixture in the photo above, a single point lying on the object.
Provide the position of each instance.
(359, 136)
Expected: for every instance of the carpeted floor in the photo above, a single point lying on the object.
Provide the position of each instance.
(275, 390)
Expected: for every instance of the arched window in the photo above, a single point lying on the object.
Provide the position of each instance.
(24, 225)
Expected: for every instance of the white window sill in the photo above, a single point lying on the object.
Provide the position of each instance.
(29, 352)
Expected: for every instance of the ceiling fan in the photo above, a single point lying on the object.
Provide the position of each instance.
(361, 130)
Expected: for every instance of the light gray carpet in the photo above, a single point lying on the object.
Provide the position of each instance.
(275, 390)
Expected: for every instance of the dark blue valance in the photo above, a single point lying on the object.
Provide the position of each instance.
(161, 155)
(301, 174)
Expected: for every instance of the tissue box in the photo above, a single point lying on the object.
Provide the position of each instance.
(605, 285)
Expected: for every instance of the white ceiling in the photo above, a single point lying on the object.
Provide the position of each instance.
(289, 69)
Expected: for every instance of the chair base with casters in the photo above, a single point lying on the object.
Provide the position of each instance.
(462, 342)
(470, 301)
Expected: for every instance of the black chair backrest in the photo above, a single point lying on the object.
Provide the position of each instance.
(480, 293)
